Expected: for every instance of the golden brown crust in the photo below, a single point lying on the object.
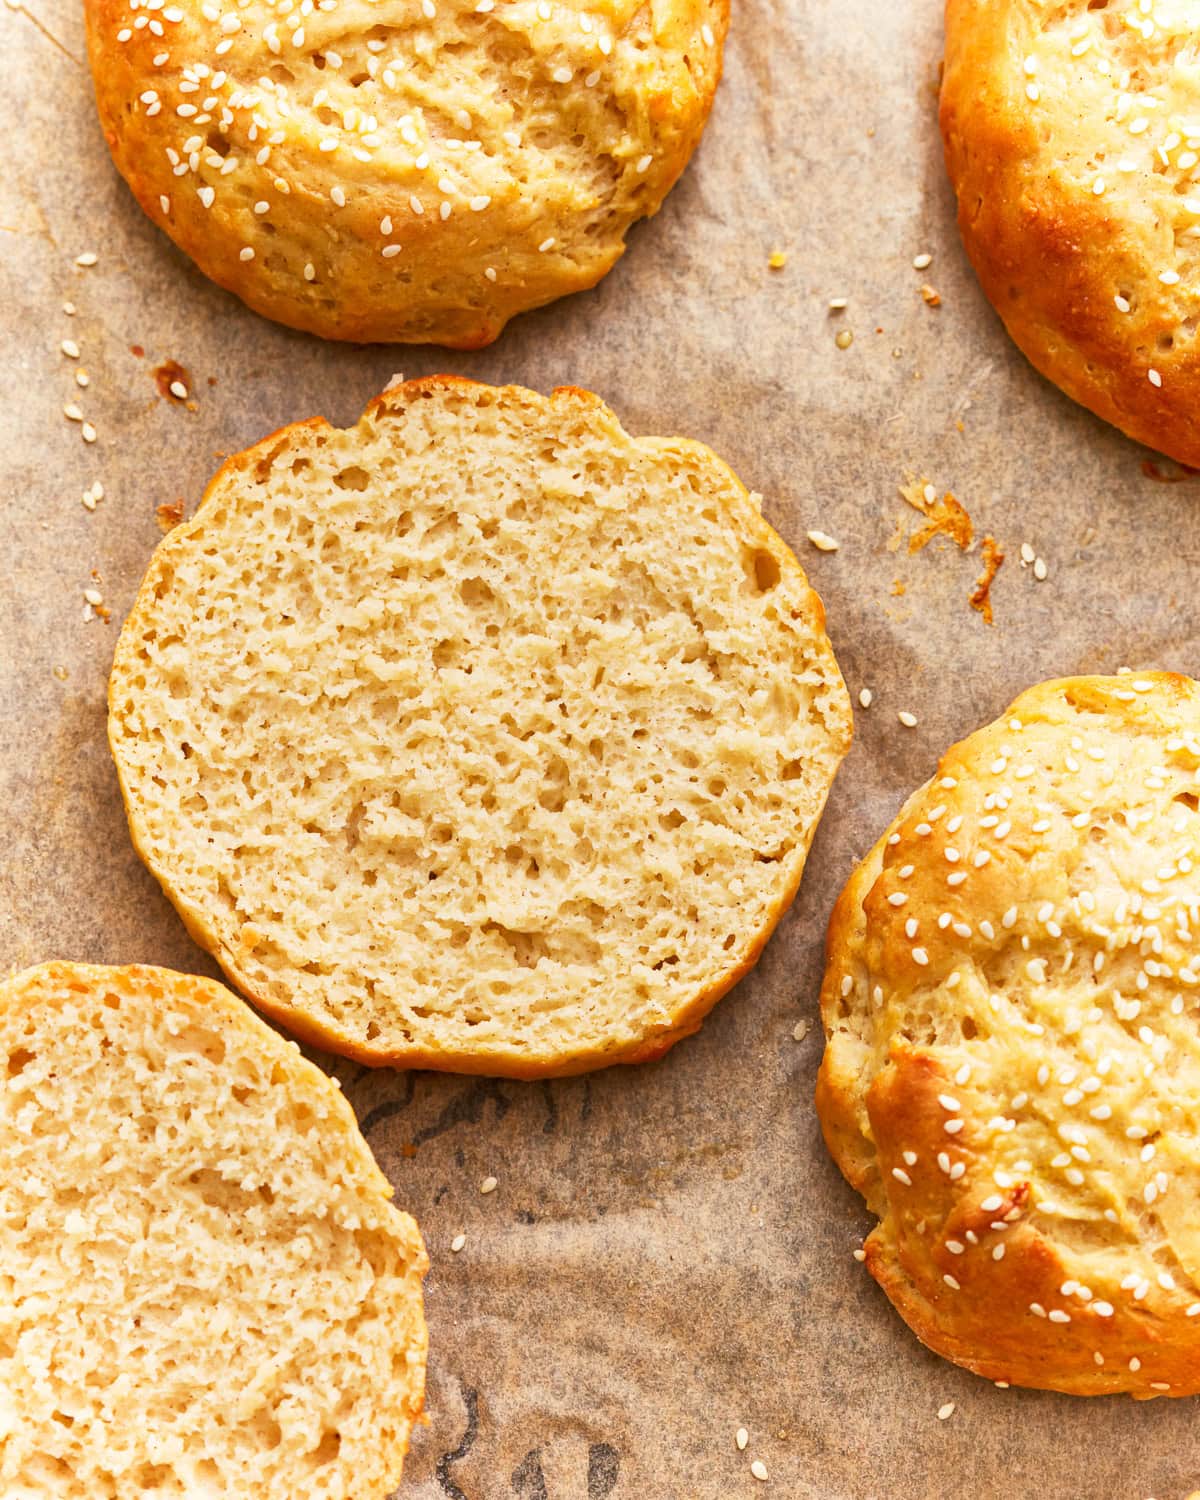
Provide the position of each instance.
(1065, 205)
(510, 148)
(1014, 1043)
(506, 1061)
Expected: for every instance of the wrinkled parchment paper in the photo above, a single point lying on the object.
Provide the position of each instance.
(668, 1253)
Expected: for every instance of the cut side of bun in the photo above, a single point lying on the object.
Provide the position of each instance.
(206, 1290)
(481, 735)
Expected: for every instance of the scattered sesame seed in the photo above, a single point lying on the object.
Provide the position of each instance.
(777, 260)
(70, 348)
(822, 541)
(844, 339)
(908, 720)
(178, 390)
(922, 262)
(946, 1411)
(866, 698)
(741, 1438)
(458, 1242)
(88, 258)
(94, 597)
(488, 1185)
(88, 433)
(759, 1470)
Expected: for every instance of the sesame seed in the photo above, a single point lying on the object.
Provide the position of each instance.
(759, 1470)
(88, 433)
(643, 164)
(88, 258)
(1154, 377)
(908, 720)
(70, 348)
(547, 244)
(488, 1185)
(741, 1438)
(844, 339)
(458, 1242)
(922, 262)
(246, 253)
(822, 541)
(946, 1411)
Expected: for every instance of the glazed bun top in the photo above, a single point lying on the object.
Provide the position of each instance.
(1073, 141)
(414, 171)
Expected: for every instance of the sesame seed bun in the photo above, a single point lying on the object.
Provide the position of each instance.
(480, 736)
(416, 172)
(207, 1291)
(1073, 144)
(1012, 1013)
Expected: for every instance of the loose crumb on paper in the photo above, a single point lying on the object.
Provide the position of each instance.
(169, 514)
(945, 515)
(993, 561)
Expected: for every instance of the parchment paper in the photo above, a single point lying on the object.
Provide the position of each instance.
(668, 1254)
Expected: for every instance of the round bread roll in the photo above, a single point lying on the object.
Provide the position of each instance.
(1072, 136)
(480, 736)
(411, 171)
(206, 1290)
(1012, 1076)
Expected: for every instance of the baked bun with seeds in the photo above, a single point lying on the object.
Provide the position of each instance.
(206, 1290)
(411, 171)
(1012, 1075)
(1072, 136)
(480, 736)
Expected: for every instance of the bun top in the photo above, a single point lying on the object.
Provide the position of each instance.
(1073, 140)
(481, 735)
(412, 170)
(1012, 1078)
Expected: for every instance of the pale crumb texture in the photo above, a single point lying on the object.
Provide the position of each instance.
(1012, 1011)
(481, 735)
(206, 1292)
(413, 172)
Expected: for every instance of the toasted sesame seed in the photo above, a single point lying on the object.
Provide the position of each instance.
(94, 597)
(488, 1185)
(88, 258)
(922, 262)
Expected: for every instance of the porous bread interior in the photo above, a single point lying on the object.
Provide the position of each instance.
(480, 733)
(205, 1290)
(1124, 95)
(404, 172)
(1052, 992)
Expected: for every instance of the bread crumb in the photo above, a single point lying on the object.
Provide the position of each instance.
(993, 561)
(844, 339)
(169, 515)
(777, 260)
(822, 541)
(932, 298)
